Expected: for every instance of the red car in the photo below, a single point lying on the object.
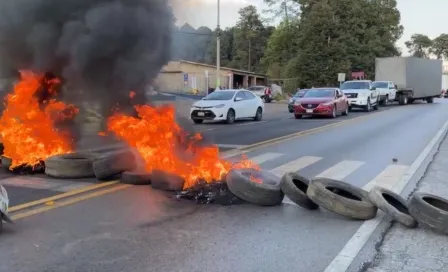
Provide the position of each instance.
(321, 102)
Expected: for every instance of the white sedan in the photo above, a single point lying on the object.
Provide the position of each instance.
(228, 106)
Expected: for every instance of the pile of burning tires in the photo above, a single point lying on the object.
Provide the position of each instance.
(341, 198)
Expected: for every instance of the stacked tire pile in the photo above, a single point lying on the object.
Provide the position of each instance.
(340, 198)
(121, 164)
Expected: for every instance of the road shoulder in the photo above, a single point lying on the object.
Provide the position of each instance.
(417, 249)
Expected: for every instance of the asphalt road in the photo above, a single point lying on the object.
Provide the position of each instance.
(139, 229)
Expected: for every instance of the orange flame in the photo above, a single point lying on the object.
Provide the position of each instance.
(27, 126)
(164, 146)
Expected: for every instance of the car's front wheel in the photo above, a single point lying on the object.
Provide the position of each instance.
(230, 116)
(345, 113)
(258, 114)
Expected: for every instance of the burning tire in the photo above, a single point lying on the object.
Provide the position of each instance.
(430, 210)
(113, 164)
(341, 198)
(393, 205)
(6, 162)
(135, 178)
(73, 165)
(267, 192)
(294, 186)
(164, 181)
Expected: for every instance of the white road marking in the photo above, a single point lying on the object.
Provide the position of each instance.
(388, 178)
(207, 129)
(250, 123)
(341, 170)
(230, 146)
(265, 157)
(294, 166)
(347, 255)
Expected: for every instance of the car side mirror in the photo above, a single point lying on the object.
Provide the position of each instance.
(238, 99)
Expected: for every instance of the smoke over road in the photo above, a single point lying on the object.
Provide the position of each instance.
(102, 48)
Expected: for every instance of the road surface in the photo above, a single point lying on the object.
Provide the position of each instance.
(139, 229)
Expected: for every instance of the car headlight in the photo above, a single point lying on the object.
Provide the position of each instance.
(219, 106)
(297, 103)
(291, 100)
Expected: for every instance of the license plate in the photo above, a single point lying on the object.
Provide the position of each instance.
(309, 111)
(201, 114)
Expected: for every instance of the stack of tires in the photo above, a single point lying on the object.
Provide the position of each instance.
(340, 198)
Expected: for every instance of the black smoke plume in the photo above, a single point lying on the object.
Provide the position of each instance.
(102, 49)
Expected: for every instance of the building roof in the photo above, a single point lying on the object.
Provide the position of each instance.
(223, 68)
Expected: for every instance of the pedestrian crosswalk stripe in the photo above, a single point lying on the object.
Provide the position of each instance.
(296, 165)
(341, 170)
(388, 178)
(265, 157)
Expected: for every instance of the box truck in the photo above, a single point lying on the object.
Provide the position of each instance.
(413, 78)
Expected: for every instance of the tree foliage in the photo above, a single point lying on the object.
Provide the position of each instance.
(422, 46)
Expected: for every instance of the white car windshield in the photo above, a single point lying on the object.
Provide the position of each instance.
(357, 85)
(220, 95)
(379, 84)
(320, 93)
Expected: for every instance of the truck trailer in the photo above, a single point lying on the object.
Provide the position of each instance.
(414, 78)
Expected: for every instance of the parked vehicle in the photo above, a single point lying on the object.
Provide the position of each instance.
(228, 106)
(292, 100)
(361, 94)
(265, 93)
(414, 78)
(387, 91)
(4, 203)
(321, 101)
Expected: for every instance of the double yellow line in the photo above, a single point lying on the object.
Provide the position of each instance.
(64, 199)
(91, 191)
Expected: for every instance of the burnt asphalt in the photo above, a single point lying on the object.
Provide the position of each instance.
(139, 229)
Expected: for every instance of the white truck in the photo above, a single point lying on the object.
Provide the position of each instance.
(411, 78)
(361, 94)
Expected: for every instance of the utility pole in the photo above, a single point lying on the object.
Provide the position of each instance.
(218, 52)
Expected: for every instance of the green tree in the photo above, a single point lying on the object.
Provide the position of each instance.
(419, 45)
(226, 48)
(342, 36)
(280, 48)
(286, 10)
(250, 37)
(440, 46)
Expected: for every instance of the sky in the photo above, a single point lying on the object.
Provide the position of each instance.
(428, 17)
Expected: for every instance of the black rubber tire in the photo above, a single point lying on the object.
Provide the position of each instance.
(73, 165)
(334, 113)
(294, 186)
(430, 100)
(164, 181)
(393, 205)
(341, 198)
(345, 113)
(291, 111)
(267, 193)
(6, 162)
(403, 99)
(229, 118)
(368, 108)
(198, 121)
(350, 108)
(114, 163)
(258, 114)
(135, 178)
(377, 106)
(422, 208)
(298, 116)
